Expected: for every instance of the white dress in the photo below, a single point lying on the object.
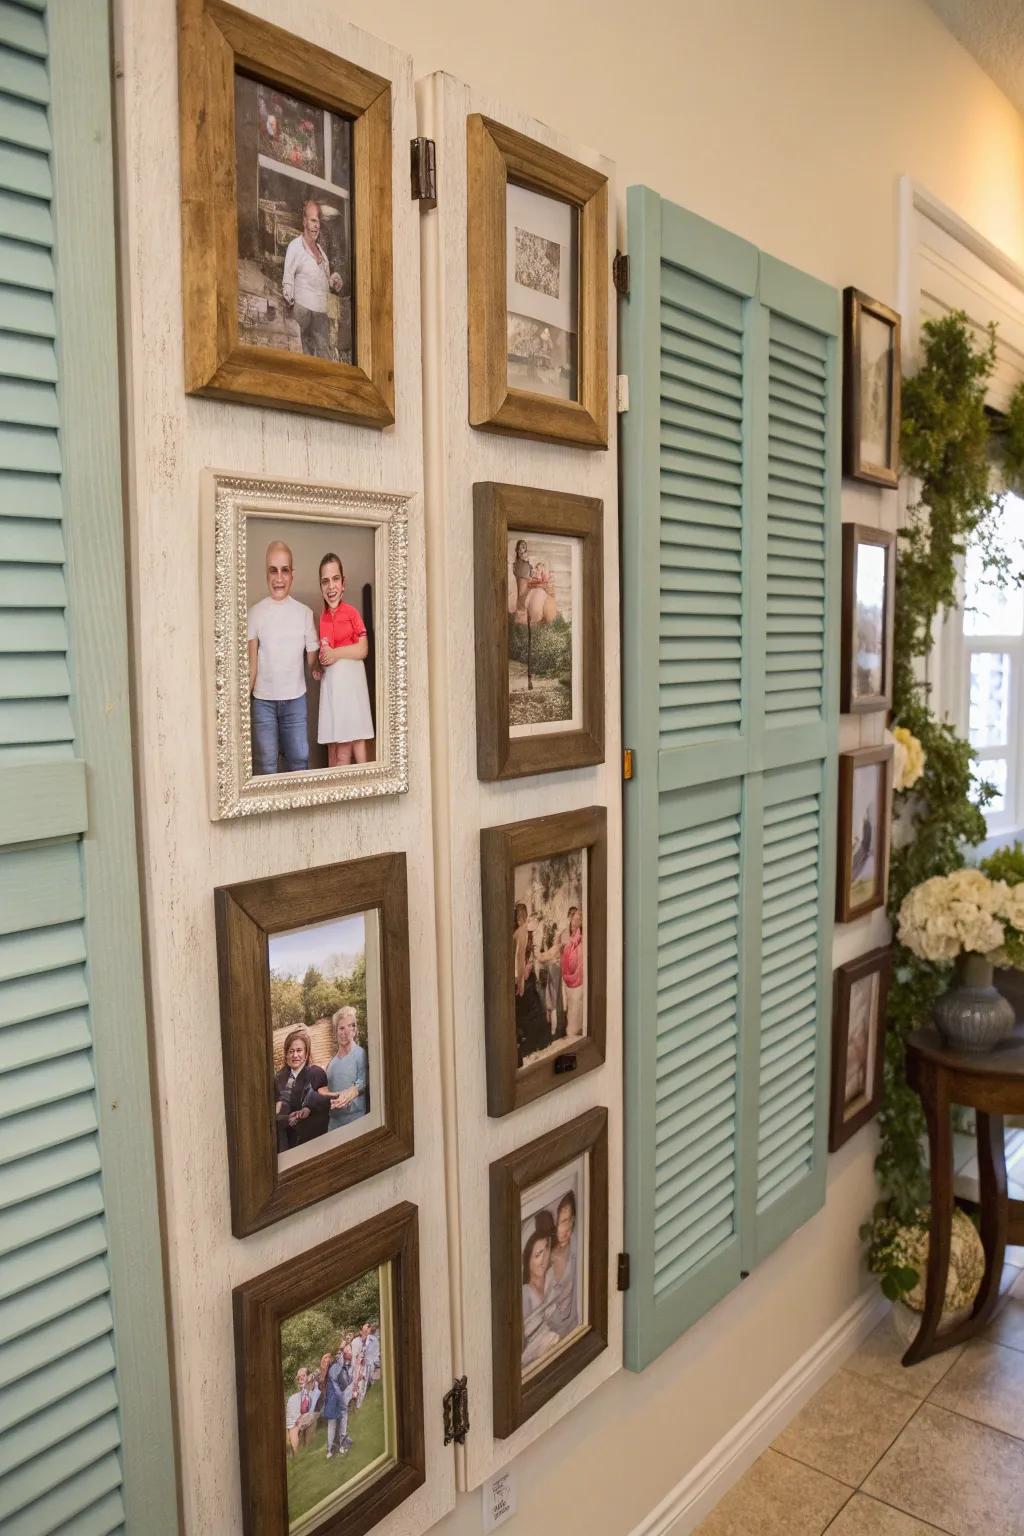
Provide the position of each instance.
(344, 704)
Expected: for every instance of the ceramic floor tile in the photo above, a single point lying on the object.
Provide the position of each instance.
(879, 1357)
(846, 1426)
(776, 1497)
(952, 1473)
(986, 1384)
(1007, 1326)
(867, 1517)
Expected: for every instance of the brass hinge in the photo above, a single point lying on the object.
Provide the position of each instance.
(620, 273)
(623, 1280)
(455, 1405)
(628, 762)
(423, 171)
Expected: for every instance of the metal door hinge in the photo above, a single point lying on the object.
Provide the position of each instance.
(423, 171)
(628, 762)
(455, 1404)
(623, 1279)
(620, 273)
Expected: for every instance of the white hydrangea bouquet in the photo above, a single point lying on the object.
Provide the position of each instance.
(964, 913)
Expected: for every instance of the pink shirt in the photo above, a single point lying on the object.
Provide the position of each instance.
(342, 627)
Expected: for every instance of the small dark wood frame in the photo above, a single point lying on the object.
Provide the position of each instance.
(514, 1400)
(497, 155)
(848, 763)
(854, 535)
(509, 1086)
(855, 304)
(497, 509)
(841, 1127)
(262, 1305)
(215, 41)
(247, 914)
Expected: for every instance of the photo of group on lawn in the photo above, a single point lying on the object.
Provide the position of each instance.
(554, 1264)
(337, 1396)
(549, 955)
(325, 1017)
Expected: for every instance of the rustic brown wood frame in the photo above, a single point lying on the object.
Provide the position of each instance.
(840, 1129)
(497, 508)
(247, 914)
(855, 304)
(854, 535)
(514, 1400)
(848, 763)
(497, 155)
(501, 849)
(260, 1307)
(215, 41)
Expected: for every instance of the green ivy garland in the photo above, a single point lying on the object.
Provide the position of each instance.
(947, 445)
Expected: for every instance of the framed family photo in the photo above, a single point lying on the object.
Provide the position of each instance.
(869, 589)
(286, 220)
(545, 919)
(538, 580)
(549, 1265)
(329, 1380)
(316, 1033)
(538, 289)
(305, 647)
(860, 994)
(871, 389)
(865, 814)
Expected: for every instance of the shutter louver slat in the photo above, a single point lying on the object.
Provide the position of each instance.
(58, 1509)
(82, 1341)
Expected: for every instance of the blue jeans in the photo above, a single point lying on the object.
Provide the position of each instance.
(279, 729)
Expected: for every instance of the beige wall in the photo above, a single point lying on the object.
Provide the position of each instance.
(789, 122)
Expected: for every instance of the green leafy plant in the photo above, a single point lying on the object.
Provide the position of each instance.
(1005, 864)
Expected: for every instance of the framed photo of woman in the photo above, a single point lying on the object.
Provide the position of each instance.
(538, 581)
(549, 1265)
(316, 1033)
(286, 220)
(330, 1389)
(860, 994)
(545, 896)
(871, 389)
(305, 645)
(865, 816)
(869, 592)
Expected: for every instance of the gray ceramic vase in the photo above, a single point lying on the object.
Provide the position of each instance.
(972, 1015)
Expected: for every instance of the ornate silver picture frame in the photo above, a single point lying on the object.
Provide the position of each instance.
(298, 677)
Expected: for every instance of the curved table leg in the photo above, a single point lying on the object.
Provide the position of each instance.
(994, 1211)
(940, 1148)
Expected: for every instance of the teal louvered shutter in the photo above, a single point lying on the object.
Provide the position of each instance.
(728, 553)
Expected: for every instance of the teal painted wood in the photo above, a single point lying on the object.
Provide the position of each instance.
(729, 517)
(41, 799)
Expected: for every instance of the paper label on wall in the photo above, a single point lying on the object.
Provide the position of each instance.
(499, 1496)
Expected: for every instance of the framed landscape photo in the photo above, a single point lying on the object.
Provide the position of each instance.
(865, 814)
(545, 921)
(330, 1385)
(538, 580)
(316, 1033)
(871, 389)
(286, 220)
(860, 994)
(869, 587)
(538, 289)
(305, 644)
(549, 1265)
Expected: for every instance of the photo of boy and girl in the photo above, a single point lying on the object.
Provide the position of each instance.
(310, 651)
(324, 1009)
(336, 1392)
(554, 1265)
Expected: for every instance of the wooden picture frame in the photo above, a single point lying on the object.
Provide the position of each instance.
(262, 1305)
(216, 41)
(854, 697)
(497, 157)
(871, 426)
(502, 850)
(512, 1177)
(873, 817)
(848, 1112)
(499, 509)
(248, 916)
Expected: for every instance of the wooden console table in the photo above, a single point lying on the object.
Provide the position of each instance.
(993, 1086)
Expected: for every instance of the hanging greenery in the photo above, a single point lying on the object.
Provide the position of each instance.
(948, 442)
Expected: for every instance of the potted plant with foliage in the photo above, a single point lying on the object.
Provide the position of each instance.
(1008, 864)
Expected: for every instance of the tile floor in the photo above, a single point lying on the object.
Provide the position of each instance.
(884, 1451)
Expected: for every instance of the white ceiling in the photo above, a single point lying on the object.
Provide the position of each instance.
(993, 31)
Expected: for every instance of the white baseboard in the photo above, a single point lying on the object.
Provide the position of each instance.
(686, 1505)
